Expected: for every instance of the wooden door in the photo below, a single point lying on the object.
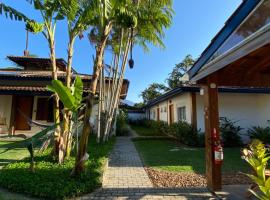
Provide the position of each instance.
(171, 118)
(23, 109)
(158, 114)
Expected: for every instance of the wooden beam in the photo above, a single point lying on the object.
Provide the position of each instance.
(193, 110)
(213, 171)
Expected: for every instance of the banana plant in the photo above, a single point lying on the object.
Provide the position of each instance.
(71, 98)
(72, 101)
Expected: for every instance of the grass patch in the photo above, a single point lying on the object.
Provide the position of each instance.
(145, 131)
(171, 156)
(53, 181)
(12, 155)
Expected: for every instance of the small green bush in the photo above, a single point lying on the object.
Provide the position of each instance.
(230, 133)
(260, 133)
(53, 181)
(186, 134)
(183, 131)
(121, 123)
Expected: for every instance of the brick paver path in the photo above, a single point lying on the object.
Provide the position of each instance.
(125, 178)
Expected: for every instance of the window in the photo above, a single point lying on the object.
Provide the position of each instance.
(165, 109)
(181, 113)
(154, 114)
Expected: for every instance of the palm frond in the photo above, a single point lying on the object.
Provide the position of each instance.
(12, 13)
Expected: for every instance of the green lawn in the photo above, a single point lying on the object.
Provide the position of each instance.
(11, 155)
(143, 131)
(171, 156)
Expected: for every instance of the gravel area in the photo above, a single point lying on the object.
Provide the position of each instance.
(189, 179)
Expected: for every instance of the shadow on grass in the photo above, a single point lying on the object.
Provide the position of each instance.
(151, 193)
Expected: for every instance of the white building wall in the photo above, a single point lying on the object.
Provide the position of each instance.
(181, 101)
(136, 116)
(163, 108)
(248, 109)
(264, 105)
(5, 112)
(177, 101)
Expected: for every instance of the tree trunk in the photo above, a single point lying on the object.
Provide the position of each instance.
(56, 98)
(66, 134)
(79, 165)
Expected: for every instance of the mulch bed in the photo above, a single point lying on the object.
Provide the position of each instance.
(189, 179)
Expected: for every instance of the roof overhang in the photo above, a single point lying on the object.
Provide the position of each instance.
(252, 43)
(246, 7)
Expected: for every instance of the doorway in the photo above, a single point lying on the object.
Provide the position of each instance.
(23, 109)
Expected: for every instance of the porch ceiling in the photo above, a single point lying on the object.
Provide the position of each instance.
(252, 70)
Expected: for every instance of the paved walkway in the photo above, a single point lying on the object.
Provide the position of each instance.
(125, 178)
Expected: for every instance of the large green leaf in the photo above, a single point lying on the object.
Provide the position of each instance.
(64, 94)
(78, 90)
(70, 8)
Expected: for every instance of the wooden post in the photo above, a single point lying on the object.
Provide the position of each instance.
(193, 110)
(213, 171)
(12, 116)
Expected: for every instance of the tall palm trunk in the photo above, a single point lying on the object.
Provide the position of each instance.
(98, 65)
(56, 98)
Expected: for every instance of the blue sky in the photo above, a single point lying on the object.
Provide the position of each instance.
(194, 25)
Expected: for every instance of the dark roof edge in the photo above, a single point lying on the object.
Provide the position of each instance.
(231, 24)
(185, 89)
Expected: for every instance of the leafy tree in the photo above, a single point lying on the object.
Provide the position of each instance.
(180, 69)
(139, 105)
(146, 20)
(153, 91)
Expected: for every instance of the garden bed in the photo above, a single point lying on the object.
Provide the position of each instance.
(170, 164)
(53, 181)
(162, 178)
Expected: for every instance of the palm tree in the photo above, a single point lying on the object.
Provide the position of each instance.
(152, 17)
(50, 12)
(12, 13)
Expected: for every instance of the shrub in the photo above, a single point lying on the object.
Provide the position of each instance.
(230, 133)
(53, 181)
(186, 134)
(138, 122)
(124, 131)
(260, 133)
(183, 131)
(121, 122)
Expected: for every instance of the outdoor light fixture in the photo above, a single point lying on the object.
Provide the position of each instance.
(201, 91)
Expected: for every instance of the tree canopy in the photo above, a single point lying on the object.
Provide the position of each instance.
(175, 77)
(153, 91)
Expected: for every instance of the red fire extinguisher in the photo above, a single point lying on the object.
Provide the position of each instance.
(218, 150)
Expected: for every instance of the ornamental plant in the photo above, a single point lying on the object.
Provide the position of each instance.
(257, 156)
